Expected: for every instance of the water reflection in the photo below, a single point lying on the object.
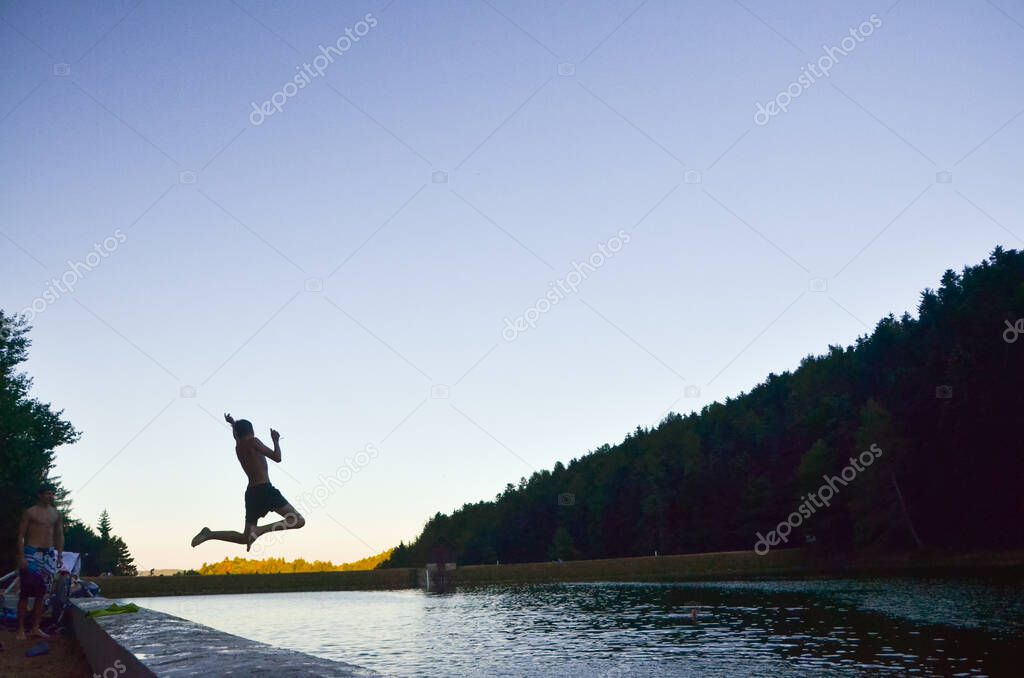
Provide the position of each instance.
(617, 630)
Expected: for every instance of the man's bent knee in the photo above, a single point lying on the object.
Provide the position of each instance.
(295, 520)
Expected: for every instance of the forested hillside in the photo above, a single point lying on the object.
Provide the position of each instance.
(238, 565)
(941, 394)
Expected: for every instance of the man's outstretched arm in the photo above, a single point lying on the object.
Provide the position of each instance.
(231, 422)
(275, 453)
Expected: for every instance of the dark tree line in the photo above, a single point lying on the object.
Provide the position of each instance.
(102, 551)
(30, 431)
(940, 394)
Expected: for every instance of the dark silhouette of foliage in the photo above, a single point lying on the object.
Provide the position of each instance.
(30, 431)
(101, 553)
(238, 565)
(941, 394)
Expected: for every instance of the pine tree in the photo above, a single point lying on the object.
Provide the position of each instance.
(112, 554)
(104, 526)
(124, 564)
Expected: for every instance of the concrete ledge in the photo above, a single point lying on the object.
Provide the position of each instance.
(149, 643)
(107, 658)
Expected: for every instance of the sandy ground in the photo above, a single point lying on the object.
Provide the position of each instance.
(65, 659)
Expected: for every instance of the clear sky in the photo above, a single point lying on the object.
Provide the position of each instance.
(343, 270)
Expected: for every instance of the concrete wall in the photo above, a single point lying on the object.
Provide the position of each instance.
(737, 564)
(148, 643)
(779, 563)
(106, 656)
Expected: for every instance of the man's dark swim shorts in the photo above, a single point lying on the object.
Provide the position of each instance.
(261, 500)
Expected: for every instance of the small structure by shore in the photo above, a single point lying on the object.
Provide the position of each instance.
(438, 577)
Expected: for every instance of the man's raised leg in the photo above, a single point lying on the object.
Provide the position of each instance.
(292, 520)
(206, 534)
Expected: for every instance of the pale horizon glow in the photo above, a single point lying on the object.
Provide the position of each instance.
(343, 270)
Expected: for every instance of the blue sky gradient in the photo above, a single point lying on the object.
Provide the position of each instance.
(343, 271)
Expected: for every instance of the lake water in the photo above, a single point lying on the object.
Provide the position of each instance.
(786, 628)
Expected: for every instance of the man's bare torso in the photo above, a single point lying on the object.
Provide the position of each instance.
(250, 455)
(41, 523)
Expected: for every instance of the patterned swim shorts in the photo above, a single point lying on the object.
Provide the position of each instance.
(40, 568)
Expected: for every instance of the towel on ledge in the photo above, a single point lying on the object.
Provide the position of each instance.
(115, 609)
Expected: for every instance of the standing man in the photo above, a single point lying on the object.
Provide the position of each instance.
(260, 496)
(41, 529)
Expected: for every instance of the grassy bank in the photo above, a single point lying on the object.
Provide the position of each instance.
(787, 563)
(782, 564)
(692, 567)
(365, 580)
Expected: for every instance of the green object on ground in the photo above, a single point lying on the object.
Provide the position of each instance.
(115, 609)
